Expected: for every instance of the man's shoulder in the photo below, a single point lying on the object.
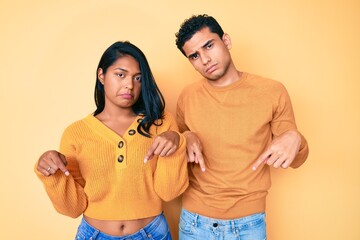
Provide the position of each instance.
(192, 87)
(264, 82)
(261, 79)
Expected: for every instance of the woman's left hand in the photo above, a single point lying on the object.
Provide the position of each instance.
(164, 144)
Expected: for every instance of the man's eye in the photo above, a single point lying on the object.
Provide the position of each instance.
(120, 75)
(194, 56)
(210, 45)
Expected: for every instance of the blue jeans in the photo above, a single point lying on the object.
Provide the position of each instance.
(195, 226)
(157, 229)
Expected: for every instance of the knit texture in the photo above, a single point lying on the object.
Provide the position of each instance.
(108, 178)
(235, 124)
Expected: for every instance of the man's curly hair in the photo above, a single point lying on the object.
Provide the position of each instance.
(194, 24)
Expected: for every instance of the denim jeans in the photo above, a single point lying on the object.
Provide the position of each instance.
(157, 229)
(194, 226)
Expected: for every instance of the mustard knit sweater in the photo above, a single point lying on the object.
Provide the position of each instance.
(108, 178)
(235, 124)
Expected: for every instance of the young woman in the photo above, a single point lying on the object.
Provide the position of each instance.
(118, 164)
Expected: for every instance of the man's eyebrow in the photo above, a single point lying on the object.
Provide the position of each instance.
(207, 43)
(203, 46)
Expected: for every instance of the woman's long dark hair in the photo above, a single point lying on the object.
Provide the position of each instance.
(151, 103)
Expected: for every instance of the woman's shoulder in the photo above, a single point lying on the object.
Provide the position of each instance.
(166, 117)
(166, 121)
(80, 123)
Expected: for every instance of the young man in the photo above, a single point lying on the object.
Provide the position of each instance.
(237, 126)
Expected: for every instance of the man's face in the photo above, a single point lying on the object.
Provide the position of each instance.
(209, 54)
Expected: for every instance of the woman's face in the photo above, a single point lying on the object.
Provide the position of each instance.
(122, 82)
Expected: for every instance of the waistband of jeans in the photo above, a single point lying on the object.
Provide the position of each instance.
(200, 218)
(147, 229)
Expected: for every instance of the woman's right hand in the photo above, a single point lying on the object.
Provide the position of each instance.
(52, 161)
(164, 144)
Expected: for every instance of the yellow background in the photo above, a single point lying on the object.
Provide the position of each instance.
(49, 51)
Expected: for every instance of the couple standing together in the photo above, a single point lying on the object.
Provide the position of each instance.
(117, 165)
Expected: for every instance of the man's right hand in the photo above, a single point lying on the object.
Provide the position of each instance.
(52, 161)
(194, 149)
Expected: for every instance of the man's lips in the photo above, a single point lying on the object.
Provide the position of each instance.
(211, 69)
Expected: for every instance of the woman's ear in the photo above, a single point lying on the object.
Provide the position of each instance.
(227, 40)
(100, 75)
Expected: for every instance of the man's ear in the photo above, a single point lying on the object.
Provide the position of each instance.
(227, 40)
(100, 75)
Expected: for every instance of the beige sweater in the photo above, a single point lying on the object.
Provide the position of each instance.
(235, 125)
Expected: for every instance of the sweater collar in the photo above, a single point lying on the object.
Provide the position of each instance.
(233, 85)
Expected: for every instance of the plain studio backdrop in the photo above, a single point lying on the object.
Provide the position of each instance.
(49, 52)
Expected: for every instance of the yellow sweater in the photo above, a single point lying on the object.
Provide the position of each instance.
(235, 125)
(108, 178)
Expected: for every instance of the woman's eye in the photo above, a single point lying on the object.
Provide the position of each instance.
(138, 78)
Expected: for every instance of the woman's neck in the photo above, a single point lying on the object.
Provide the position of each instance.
(118, 121)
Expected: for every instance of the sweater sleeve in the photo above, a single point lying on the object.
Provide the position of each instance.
(284, 120)
(66, 192)
(180, 116)
(171, 176)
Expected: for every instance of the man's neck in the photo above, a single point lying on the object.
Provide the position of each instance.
(232, 75)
